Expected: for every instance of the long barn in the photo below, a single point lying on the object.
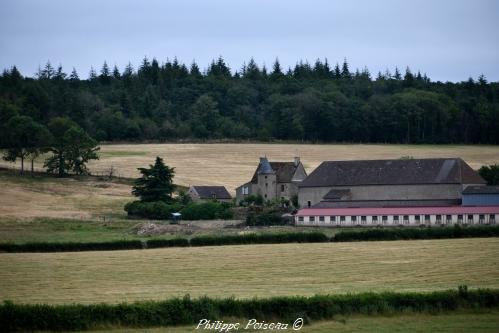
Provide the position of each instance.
(397, 216)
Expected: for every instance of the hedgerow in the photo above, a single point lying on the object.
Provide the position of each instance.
(253, 238)
(416, 233)
(185, 311)
(71, 246)
(175, 242)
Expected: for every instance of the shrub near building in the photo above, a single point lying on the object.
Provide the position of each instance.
(155, 189)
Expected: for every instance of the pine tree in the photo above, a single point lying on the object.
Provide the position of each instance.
(194, 70)
(128, 72)
(156, 183)
(397, 75)
(74, 75)
(60, 75)
(408, 77)
(337, 71)
(47, 72)
(92, 76)
(345, 72)
(104, 76)
(276, 70)
(116, 73)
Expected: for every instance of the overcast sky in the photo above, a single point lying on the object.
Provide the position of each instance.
(450, 40)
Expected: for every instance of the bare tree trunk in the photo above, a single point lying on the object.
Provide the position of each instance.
(22, 164)
(32, 169)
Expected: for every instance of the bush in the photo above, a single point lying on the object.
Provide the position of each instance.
(185, 311)
(207, 211)
(157, 210)
(71, 247)
(264, 218)
(416, 233)
(175, 242)
(270, 238)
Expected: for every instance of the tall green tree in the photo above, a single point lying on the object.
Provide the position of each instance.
(25, 138)
(71, 148)
(490, 174)
(156, 183)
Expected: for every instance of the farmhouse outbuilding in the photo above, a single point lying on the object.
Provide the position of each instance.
(274, 180)
(207, 193)
(381, 183)
(481, 196)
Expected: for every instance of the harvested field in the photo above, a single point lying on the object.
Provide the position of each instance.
(233, 164)
(248, 271)
(28, 198)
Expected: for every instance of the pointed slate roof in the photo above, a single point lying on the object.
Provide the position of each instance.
(264, 167)
(284, 171)
(393, 172)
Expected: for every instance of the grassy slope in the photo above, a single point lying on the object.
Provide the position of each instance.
(461, 322)
(74, 230)
(247, 271)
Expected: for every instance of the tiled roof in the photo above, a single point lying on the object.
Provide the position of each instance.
(393, 172)
(284, 171)
(208, 192)
(387, 203)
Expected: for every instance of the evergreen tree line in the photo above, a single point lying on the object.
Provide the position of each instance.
(311, 102)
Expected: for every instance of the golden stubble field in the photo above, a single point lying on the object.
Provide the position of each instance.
(249, 271)
(230, 165)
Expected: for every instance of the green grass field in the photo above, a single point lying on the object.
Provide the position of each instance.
(248, 271)
(460, 322)
(74, 230)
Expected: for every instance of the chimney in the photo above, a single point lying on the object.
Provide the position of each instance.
(297, 160)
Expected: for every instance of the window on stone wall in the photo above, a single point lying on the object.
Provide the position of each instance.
(375, 219)
(309, 203)
(282, 188)
(448, 218)
(342, 219)
(427, 218)
(354, 218)
(492, 218)
(332, 218)
(396, 218)
(311, 218)
(384, 218)
(321, 218)
(300, 218)
(460, 218)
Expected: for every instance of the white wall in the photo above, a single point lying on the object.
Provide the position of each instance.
(348, 221)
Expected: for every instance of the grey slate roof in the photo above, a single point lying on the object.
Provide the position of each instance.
(393, 172)
(481, 190)
(284, 171)
(264, 167)
(335, 194)
(207, 192)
